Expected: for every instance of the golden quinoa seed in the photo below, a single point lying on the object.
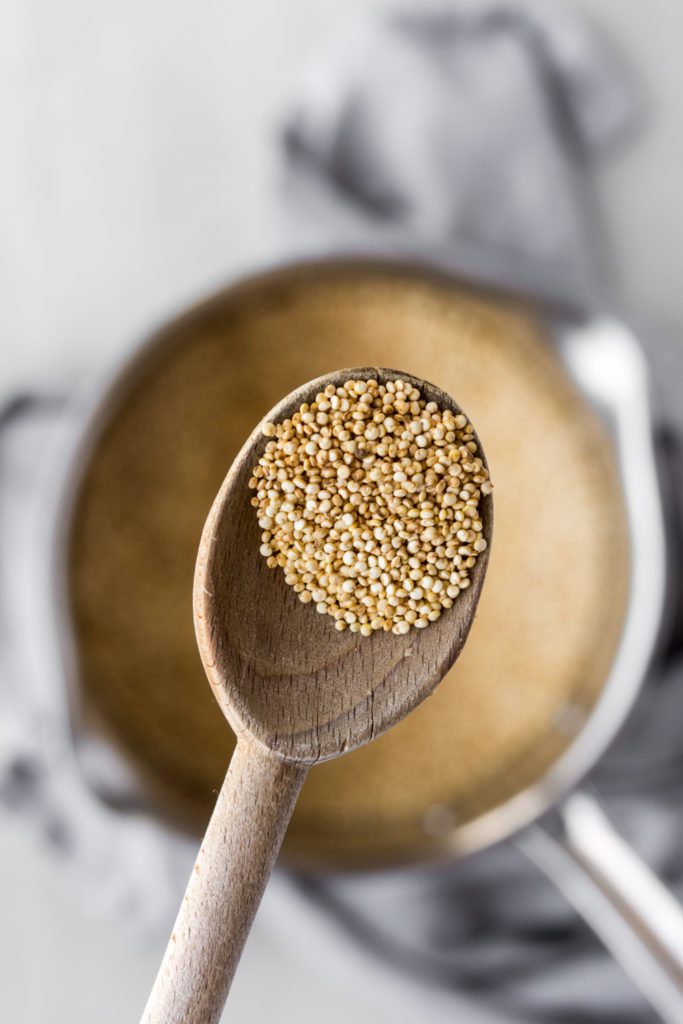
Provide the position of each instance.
(369, 500)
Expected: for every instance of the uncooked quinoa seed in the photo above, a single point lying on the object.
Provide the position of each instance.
(368, 499)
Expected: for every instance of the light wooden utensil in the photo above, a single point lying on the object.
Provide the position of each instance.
(295, 691)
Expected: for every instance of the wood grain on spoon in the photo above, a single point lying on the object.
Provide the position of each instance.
(295, 691)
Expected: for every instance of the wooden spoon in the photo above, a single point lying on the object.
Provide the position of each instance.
(295, 691)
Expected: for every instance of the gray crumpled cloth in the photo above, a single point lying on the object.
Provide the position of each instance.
(462, 135)
(465, 138)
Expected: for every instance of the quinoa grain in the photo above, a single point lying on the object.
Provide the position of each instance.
(369, 497)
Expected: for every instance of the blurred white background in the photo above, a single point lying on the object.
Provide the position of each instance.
(139, 155)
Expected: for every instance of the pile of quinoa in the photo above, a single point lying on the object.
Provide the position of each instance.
(368, 499)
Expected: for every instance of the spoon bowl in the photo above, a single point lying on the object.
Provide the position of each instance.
(295, 692)
(280, 673)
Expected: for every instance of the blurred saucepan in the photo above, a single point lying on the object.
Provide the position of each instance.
(567, 625)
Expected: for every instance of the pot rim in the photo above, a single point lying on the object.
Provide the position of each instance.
(605, 362)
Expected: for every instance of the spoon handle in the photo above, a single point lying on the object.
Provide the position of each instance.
(233, 865)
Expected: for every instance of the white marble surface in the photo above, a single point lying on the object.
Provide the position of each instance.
(137, 172)
(62, 966)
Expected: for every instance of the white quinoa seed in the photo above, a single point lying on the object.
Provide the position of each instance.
(369, 500)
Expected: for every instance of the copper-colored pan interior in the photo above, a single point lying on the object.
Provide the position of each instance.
(552, 608)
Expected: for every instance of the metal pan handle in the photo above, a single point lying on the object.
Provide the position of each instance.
(629, 908)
